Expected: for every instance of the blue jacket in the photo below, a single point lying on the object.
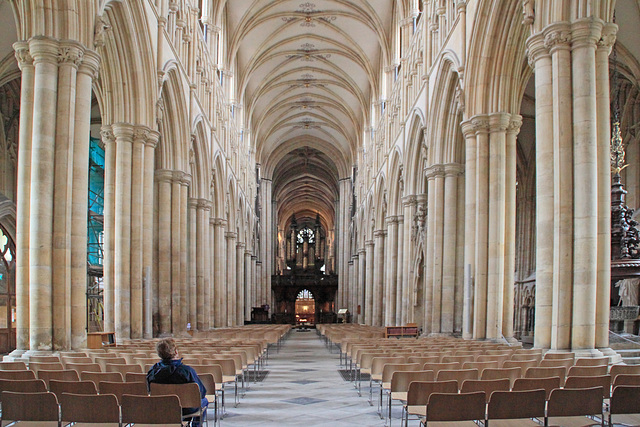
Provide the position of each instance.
(174, 372)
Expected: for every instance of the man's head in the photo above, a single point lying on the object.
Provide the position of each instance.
(167, 349)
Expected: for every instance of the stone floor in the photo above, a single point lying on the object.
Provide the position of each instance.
(304, 388)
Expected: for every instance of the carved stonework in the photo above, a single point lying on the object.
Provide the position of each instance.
(625, 239)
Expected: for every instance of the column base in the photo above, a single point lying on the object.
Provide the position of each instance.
(587, 353)
(614, 357)
(15, 355)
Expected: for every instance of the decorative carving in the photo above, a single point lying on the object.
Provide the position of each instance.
(528, 12)
(419, 227)
(159, 111)
(625, 239)
(107, 135)
(308, 53)
(556, 38)
(100, 31)
(628, 291)
(23, 56)
(70, 55)
(460, 97)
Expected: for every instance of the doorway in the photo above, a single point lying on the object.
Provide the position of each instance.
(305, 308)
(7, 292)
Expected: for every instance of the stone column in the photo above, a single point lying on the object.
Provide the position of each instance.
(391, 271)
(510, 227)
(109, 141)
(585, 34)
(378, 276)
(122, 245)
(604, 189)
(482, 228)
(435, 237)
(231, 278)
(248, 302)
(352, 291)
(240, 284)
(45, 55)
(148, 247)
(25, 62)
(362, 293)
(541, 59)
(69, 58)
(185, 182)
(255, 299)
(220, 273)
(194, 298)
(211, 253)
(409, 205)
(140, 136)
(400, 309)
(202, 241)
(164, 179)
(469, 129)
(368, 309)
(86, 73)
(450, 232)
(175, 252)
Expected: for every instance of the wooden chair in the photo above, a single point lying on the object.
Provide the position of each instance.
(526, 357)
(48, 359)
(603, 381)
(632, 380)
(458, 375)
(554, 363)
(84, 408)
(559, 355)
(97, 377)
(418, 396)
(165, 410)
(387, 375)
(437, 367)
(17, 375)
(75, 387)
(424, 359)
(103, 361)
(546, 384)
(481, 366)
(486, 386)
(82, 359)
(87, 367)
(119, 389)
(623, 369)
(364, 365)
(377, 368)
(459, 359)
(46, 366)
(587, 371)
(522, 364)
(497, 374)
(593, 361)
(135, 377)
(623, 406)
(566, 404)
(559, 372)
(515, 405)
(122, 368)
(189, 395)
(40, 406)
(499, 358)
(128, 357)
(400, 381)
(64, 375)
(22, 386)
(13, 366)
(212, 395)
(455, 407)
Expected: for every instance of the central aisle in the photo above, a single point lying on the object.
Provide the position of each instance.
(303, 388)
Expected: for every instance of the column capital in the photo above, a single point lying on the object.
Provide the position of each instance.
(453, 169)
(230, 235)
(391, 220)
(362, 251)
(43, 49)
(498, 122)
(218, 222)
(536, 48)
(192, 203)
(586, 32)
(240, 245)
(410, 200)
(434, 171)
(368, 243)
(475, 125)
(608, 38)
(514, 124)
(557, 36)
(146, 136)
(70, 53)
(90, 63)
(107, 135)
(123, 131)
(163, 175)
(204, 204)
(23, 56)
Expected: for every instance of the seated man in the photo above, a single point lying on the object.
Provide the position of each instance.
(170, 370)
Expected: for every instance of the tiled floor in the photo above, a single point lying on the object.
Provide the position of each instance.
(304, 388)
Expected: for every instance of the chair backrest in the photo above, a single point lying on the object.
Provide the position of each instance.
(486, 386)
(378, 363)
(13, 366)
(189, 393)
(559, 371)
(587, 371)
(481, 366)
(456, 407)
(424, 359)
(96, 377)
(624, 400)
(546, 384)
(76, 387)
(135, 377)
(522, 364)
(17, 375)
(437, 367)
(23, 386)
(400, 380)
(88, 367)
(366, 359)
(191, 360)
(553, 363)
(122, 368)
(46, 366)
(526, 356)
(119, 389)
(49, 359)
(103, 361)
(624, 370)
(209, 382)
(89, 408)
(129, 357)
(459, 359)
(419, 391)
(40, 406)
(64, 375)
(528, 351)
(164, 410)
(228, 366)
(594, 361)
(82, 359)
(215, 370)
(575, 402)
(459, 375)
(390, 368)
(497, 374)
(516, 404)
(603, 381)
(560, 355)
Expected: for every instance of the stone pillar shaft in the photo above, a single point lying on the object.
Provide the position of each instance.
(368, 309)
(240, 284)
(391, 272)
(400, 308)
(194, 298)
(137, 233)
(231, 278)
(164, 178)
(378, 277)
(362, 294)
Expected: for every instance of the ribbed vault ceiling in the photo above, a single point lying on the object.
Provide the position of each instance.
(307, 73)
